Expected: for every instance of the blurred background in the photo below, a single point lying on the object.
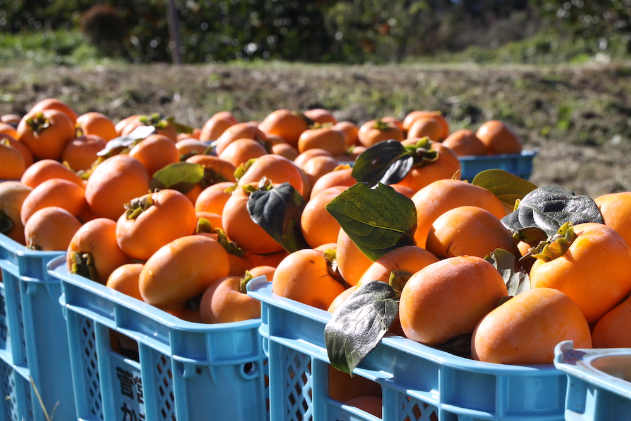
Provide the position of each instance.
(323, 31)
(556, 71)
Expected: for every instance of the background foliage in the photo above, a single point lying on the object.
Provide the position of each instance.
(346, 31)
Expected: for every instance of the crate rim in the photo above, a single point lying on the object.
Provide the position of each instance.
(57, 267)
(22, 251)
(261, 290)
(523, 154)
(578, 363)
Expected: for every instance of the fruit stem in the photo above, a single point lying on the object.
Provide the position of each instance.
(6, 224)
(244, 282)
(398, 279)
(138, 205)
(83, 265)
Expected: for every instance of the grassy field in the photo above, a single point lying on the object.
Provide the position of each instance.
(578, 116)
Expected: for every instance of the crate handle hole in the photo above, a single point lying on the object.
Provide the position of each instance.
(249, 370)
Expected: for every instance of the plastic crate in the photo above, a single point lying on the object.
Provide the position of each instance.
(33, 338)
(599, 382)
(181, 371)
(518, 164)
(417, 382)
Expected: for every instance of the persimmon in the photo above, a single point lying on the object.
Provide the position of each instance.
(286, 124)
(526, 329)
(163, 127)
(46, 133)
(213, 198)
(155, 152)
(239, 131)
(318, 166)
(12, 165)
(121, 124)
(226, 301)
(304, 276)
(213, 218)
(305, 156)
(242, 150)
(444, 195)
(351, 154)
(616, 212)
(216, 170)
(612, 330)
(190, 147)
(94, 252)
(11, 119)
(375, 131)
(276, 169)
(270, 259)
(338, 177)
(182, 270)
(318, 225)
(498, 138)
(54, 192)
(343, 387)
(602, 198)
(332, 141)
(341, 298)
(351, 262)
(267, 271)
(154, 220)
(55, 104)
(436, 115)
(97, 124)
(395, 121)
(114, 182)
(524, 248)
(593, 271)
(446, 166)
(81, 152)
(194, 193)
(125, 279)
(321, 116)
(405, 191)
(464, 142)
(370, 404)
(425, 127)
(286, 150)
(12, 195)
(8, 130)
(449, 298)
(240, 228)
(216, 125)
(350, 131)
(47, 169)
(272, 140)
(469, 231)
(402, 263)
(50, 229)
(21, 147)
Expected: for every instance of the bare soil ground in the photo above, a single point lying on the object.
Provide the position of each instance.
(579, 117)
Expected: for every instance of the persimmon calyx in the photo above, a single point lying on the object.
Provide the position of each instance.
(5, 142)
(38, 123)
(381, 125)
(556, 245)
(422, 152)
(315, 126)
(243, 168)
(342, 167)
(229, 246)
(138, 205)
(6, 224)
(211, 177)
(304, 117)
(332, 267)
(156, 120)
(398, 279)
(78, 131)
(31, 244)
(243, 283)
(203, 226)
(184, 157)
(83, 265)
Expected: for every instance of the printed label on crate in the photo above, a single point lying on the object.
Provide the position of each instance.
(4, 329)
(129, 398)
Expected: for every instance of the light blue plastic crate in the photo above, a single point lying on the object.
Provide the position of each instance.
(518, 164)
(182, 371)
(33, 338)
(599, 382)
(418, 383)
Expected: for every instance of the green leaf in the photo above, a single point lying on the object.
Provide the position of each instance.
(359, 323)
(506, 264)
(181, 176)
(386, 162)
(179, 127)
(140, 132)
(505, 186)
(549, 207)
(377, 220)
(278, 212)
